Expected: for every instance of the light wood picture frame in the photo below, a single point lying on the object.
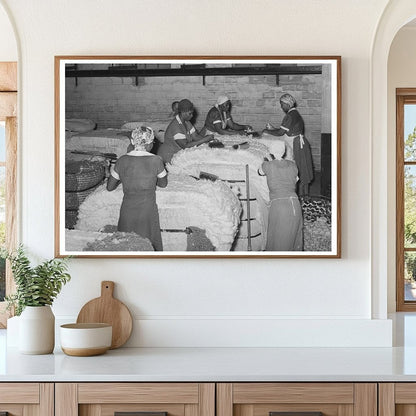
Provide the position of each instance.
(225, 194)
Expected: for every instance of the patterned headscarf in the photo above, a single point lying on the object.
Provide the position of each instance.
(288, 99)
(141, 137)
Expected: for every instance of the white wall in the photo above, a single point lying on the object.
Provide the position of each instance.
(212, 302)
(8, 46)
(401, 74)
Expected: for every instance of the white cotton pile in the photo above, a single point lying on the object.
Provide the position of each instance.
(227, 163)
(252, 146)
(276, 146)
(79, 125)
(104, 141)
(263, 145)
(211, 206)
(77, 240)
(99, 209)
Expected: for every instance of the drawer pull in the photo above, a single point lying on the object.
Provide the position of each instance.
(140, 414)
(295, 413)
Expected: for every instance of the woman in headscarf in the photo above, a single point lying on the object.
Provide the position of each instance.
(140, 172)
(181, 134)
(174, 107)
(285, 224)
(219, 119)
(292, 131)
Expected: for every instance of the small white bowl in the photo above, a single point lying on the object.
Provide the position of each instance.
(83, 340)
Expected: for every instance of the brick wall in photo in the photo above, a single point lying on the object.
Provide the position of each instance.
(112, 101)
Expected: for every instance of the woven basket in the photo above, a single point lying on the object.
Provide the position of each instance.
(71, 218)
(74, 199)
(83, 175)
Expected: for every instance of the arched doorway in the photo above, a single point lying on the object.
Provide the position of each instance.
(396, 15)
(401, 97)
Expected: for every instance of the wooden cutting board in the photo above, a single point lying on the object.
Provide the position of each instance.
(107, 309)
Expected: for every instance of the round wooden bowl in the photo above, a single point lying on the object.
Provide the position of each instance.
(85, 339)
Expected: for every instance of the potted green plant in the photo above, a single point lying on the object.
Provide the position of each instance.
(36, 289)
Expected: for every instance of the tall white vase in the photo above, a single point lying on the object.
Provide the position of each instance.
(37, 330)
(12, 334)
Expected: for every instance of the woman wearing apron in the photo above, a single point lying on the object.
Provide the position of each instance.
(292, 130)
(285, 225)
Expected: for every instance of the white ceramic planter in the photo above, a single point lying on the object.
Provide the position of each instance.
(37, 330)
(85, 339)
(12, 334)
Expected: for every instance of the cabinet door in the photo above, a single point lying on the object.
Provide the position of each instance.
(142, 399)
(297, 399)
(397, 399)
(26, 399)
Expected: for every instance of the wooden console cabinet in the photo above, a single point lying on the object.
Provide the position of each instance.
(154, 399)
(264, 399)
(27, 399)
(208, 399)
(397, 399)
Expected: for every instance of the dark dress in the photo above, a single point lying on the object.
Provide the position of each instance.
(294, 126)
(215, 117)
(138, 173)
(177, 130)
(293, 123)
(285, 225)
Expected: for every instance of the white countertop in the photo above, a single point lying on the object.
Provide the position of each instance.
(222, 364)
(215, 364)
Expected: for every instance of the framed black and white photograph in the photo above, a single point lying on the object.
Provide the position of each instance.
(198, 156)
